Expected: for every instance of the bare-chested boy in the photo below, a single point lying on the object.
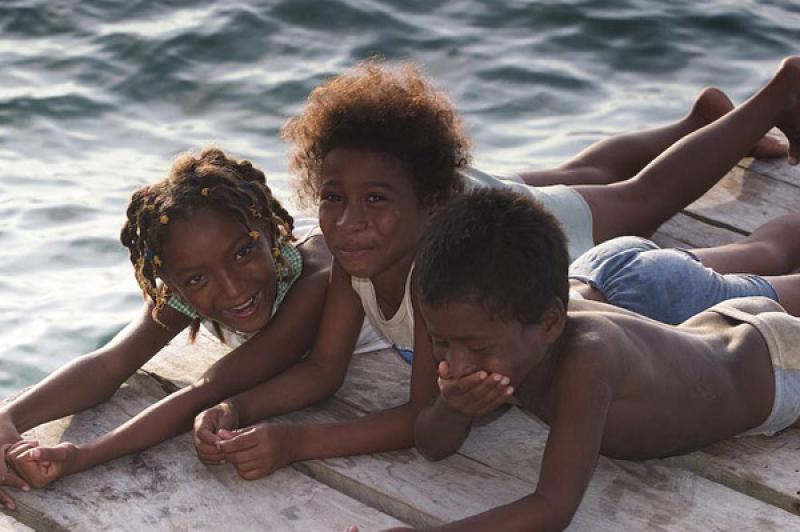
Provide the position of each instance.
(492, 284)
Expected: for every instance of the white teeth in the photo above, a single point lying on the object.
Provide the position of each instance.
(245, 304)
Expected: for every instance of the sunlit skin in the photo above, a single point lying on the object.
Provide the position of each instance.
(225, 271)
(372, 218)
(214, 263)
(596, 376)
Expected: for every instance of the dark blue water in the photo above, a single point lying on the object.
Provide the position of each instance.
(98, 96)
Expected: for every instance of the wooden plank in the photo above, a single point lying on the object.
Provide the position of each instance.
(182, 362)
(777, 169)
(9, 524)
(762, 467)
(744, 200)
(167, 488)
(686, 232)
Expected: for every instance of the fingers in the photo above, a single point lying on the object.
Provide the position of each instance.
(444, 370)
(240, 458)
(18, 449)
(462, 385)
(47, 454)
(7, 501)
(242, 440)
(206, 444)
(10, 478)
(476, 394)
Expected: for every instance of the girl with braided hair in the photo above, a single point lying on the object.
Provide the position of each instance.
(212, 246)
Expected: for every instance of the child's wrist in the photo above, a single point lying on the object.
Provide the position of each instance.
(292, 441)
(445, 408)
(234, 410)
(79, 459)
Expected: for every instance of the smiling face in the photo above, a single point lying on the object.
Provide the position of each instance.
(470, 339)
(212, 263)
(370, 213)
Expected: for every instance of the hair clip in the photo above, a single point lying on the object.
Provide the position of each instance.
(276, 252)
(254, 235)
(164, 219)
(204, 191)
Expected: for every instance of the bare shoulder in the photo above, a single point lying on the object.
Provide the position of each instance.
(316, 256)
(593, 343)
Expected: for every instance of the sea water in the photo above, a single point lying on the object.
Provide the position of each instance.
(98, 96)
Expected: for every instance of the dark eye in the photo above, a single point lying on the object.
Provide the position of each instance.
(329, 196)
(481, 350)
(375, 198)
(195, 280)
(438, 343)
(244, 252)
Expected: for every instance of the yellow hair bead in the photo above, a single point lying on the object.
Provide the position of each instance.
(204, 191)
(164, 219)
(157, 261)
(254, 235)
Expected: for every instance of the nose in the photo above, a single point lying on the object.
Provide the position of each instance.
(352, 218)
(459, 362)
(231, 285)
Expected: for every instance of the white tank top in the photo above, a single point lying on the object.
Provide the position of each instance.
(399, 329)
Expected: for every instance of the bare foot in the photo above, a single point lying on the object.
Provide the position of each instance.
(790, 125)
(712, 103)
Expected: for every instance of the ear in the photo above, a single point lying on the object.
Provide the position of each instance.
(553, 320)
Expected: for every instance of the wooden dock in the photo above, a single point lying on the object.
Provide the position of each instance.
(741, 484)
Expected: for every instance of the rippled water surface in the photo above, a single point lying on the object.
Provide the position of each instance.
(98, 96)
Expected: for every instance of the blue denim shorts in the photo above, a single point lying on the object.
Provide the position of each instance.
(668, 285)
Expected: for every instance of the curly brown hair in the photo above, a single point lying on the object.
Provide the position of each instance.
(208, 180)
(379, 107)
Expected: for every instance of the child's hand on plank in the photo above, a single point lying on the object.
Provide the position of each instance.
(205, 434)
(40, 466)
(257, 451)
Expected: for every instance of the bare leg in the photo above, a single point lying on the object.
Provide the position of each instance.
(788, 289)
(772, 249)
(623, 156)
(692, 165)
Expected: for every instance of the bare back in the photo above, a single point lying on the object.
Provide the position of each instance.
(674, 389)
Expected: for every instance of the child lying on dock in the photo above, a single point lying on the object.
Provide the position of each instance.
(209, 244)
(492, 285)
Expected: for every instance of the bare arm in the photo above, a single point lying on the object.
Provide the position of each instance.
(279, 345)
(583, 398)
(68, 390)
(322, 372)
(259, 450)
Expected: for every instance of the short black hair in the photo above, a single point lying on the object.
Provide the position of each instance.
(498, 248)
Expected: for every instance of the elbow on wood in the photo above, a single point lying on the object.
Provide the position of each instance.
(434, 455)
(431, 449)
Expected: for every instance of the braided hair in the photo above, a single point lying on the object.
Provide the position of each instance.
(208, 180)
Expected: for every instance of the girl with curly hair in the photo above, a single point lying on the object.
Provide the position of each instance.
(210, 246)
